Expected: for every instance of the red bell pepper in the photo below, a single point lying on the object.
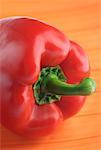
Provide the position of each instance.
(38, 66)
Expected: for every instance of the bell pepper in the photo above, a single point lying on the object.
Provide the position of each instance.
(44, 77)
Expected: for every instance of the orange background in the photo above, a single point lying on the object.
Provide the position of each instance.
(80, 21)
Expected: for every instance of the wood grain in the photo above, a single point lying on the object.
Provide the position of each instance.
(80, 20)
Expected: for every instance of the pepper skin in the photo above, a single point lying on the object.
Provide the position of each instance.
(26, 46)
(75, 67)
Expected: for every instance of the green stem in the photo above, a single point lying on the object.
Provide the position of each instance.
(51, 85)
(56, 86)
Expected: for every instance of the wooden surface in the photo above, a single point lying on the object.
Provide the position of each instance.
(80, 21)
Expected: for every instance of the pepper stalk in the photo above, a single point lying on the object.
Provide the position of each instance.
(51, 85)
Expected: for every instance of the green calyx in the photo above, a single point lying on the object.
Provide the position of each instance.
(41, 94)
(51, 85)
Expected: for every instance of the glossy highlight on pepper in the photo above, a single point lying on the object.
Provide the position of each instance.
(27, 46)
